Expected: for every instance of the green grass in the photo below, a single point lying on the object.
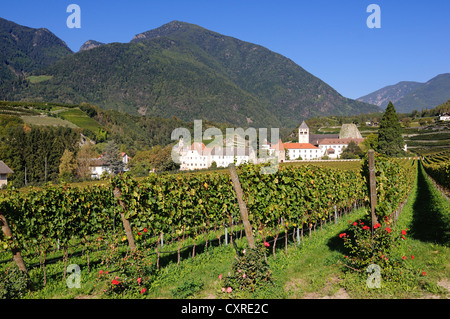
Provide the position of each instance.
(46, 120)
(39, 78)
(80, 119)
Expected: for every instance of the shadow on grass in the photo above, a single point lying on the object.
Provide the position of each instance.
(429, 223)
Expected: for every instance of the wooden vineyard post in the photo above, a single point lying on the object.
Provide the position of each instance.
(372, 187)
(126, 223)
(17, 257)
(242, 206)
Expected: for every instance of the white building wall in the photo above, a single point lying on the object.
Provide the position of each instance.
(97, 171)
(305, 154)
(193, 160)
(337, 149)
(3, 180)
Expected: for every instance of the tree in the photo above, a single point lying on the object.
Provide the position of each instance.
(370, 142)
(390, 141)
(84, 158)
(351, 151)
(112, 157)
(68, 165)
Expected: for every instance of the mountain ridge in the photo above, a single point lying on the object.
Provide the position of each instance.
(36, 48)
(408, 95)
(186, 70)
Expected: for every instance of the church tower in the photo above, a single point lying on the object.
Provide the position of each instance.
(303, 133)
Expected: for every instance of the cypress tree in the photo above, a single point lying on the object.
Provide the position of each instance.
(390, 140)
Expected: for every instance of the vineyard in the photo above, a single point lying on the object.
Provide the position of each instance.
(186, 211)
(177, 206)
(437, 165)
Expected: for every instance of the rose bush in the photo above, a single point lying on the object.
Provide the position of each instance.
(386, 248)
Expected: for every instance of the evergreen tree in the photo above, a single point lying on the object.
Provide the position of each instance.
(390, 141)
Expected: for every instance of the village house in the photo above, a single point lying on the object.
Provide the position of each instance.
(198, 156)
(195, 157)
(303, 151)
(98, 165)
(278, 151)
(444, 117)
(333, 147)
(4, 171)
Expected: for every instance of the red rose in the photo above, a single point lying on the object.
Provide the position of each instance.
(355, 224)
(266, 244)
(115, 282)
(342, 235)
(145, 230)
(376, 225)
(403, 232)
(388, 229)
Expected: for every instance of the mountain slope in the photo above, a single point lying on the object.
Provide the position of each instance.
(24, 49)
(434, 92)
(185, 70)
(391, 93)
(408, 96)
(90, 44)
(292, 93)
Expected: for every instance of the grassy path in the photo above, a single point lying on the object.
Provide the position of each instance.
(431, 213)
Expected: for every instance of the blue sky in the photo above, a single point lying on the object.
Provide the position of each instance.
(328, 38)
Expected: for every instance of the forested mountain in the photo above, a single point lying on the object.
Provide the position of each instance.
(410, 96)
(185, 70)
(23, 50)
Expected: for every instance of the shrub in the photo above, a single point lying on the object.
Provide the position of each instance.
(249, 272)
(14, 283)
(133, 276)
(384, 249)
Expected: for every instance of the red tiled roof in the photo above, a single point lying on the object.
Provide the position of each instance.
(279, 146)
(197, 146)
(299, 146)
